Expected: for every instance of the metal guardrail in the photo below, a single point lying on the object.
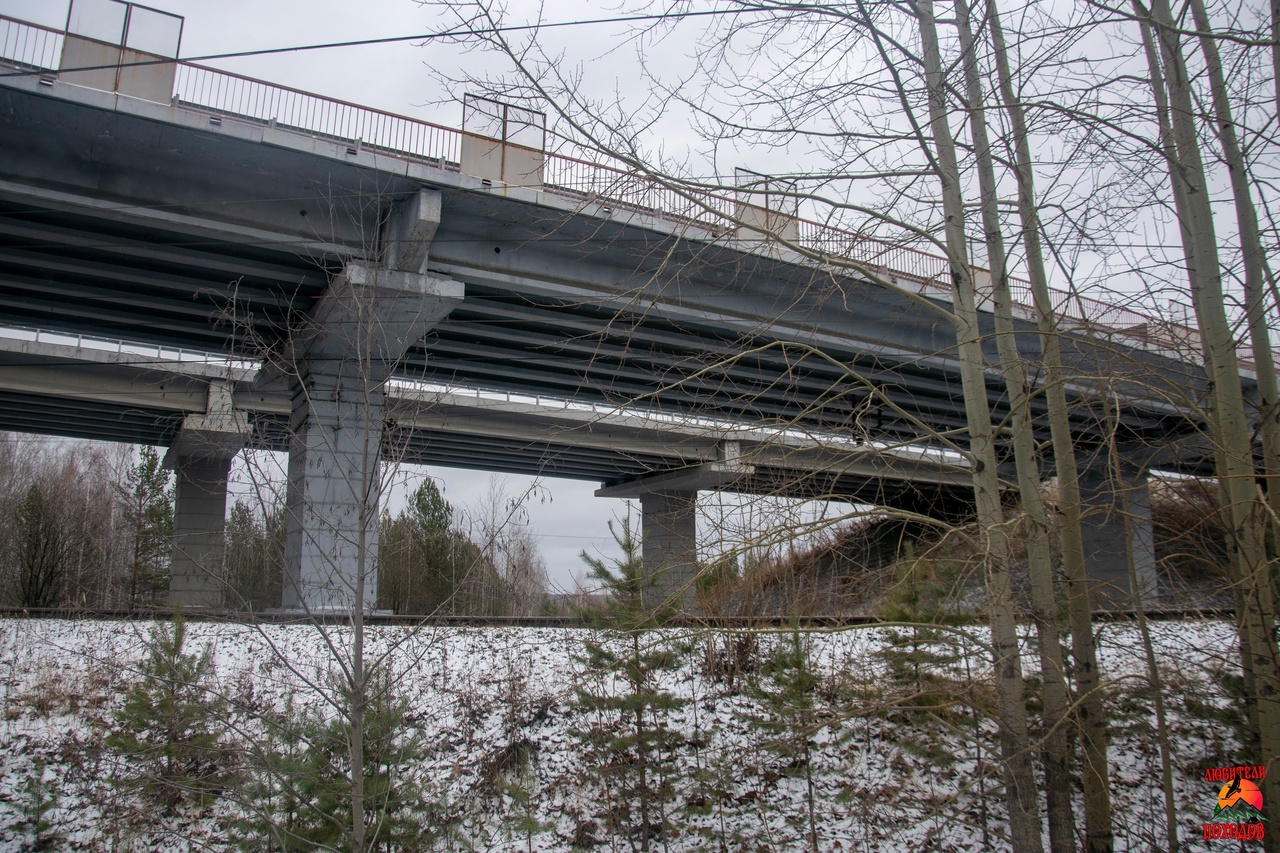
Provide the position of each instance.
(32, 47)
(29, 46)
(120, 347)
(234, 95)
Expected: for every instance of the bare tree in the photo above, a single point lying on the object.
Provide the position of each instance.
(856, 109)
(1233, 438)
(499, 525)
(68, 541)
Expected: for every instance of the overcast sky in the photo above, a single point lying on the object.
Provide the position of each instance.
(563, 515)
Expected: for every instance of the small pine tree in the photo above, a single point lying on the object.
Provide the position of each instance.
(790, 716)
(630, 740)
(148, 510)
(40, 801)
(297, 794)
(922, 596)
(169, 730)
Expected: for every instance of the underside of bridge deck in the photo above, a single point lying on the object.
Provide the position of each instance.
(153, 223)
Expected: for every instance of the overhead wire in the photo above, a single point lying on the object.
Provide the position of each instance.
(419, 37)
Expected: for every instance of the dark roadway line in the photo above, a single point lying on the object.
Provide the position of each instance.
(726, 623)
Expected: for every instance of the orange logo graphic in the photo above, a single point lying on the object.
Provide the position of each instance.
(1238, 813)
(1238, 794)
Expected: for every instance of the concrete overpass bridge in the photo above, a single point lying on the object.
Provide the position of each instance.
(338, 258)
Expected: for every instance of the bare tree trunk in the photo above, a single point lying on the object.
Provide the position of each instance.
(1252, 255)
(643, 750)
(1024, 812)
(1256, 615)
(1163, 739)
(364, 565)
(1055, 750)
(359, 690)
(1275, 50)
(1089, 711)
(1182, 206)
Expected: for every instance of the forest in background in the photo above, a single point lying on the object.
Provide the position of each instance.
(90, 527)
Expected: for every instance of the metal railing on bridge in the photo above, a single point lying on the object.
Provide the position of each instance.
(33, 48)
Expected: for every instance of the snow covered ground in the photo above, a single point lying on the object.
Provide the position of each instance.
(509, 755)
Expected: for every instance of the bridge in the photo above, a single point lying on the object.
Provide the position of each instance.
(341, 272)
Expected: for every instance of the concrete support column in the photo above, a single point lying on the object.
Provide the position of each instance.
(336, 366)
(200, 507)
(331, 526)
(201, 457)
(1116, 526)
(669, 539)
(669, 520)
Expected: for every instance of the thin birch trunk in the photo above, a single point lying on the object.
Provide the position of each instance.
(1090, 714)
(1181, 205)
(1275, 50)
(1256, 615)
(1252, 255)
(1163, 739)
(1024, 812)
(359, 694)
(1055, 750)
(359, 678)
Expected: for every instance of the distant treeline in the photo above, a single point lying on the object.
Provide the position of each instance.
(89, 525)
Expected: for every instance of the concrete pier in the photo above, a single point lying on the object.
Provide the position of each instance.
(1116, 526)
(336, 368)
(201, 458)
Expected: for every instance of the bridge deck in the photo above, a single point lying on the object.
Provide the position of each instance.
(32, 49)
(215, 221)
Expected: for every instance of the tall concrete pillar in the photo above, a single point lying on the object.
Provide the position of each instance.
(1116, 527)
(200, 498)
(668, 542)
(336, 367)
(201, 457)
(331, 528)
(668, 520)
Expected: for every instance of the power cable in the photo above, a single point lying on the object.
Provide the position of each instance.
(458, 33)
